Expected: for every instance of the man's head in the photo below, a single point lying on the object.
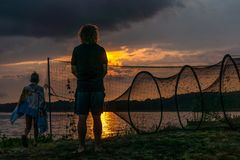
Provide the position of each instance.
(89, 33)
(34, 77)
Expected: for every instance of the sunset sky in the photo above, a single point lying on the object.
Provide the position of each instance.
(134, 32)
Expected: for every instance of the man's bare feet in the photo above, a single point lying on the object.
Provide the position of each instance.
(98, 148)
(81, 149)
(35, 143)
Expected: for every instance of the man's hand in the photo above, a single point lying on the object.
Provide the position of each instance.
(74, 70)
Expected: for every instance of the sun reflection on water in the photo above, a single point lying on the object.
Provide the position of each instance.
(112, 125)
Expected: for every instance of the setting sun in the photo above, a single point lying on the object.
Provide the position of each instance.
(114, 57)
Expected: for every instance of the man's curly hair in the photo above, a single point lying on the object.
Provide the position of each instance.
(89, 33)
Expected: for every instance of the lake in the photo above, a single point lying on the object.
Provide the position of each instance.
(65, 123)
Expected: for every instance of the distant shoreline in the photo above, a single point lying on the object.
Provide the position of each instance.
(186, 102)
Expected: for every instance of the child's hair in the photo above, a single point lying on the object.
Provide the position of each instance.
(89, 33)
(34, 77)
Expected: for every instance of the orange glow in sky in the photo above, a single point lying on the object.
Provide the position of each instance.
(141, 56)
(23, 63)
(114, 57)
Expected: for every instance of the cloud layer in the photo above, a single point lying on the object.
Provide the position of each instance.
(60, 18)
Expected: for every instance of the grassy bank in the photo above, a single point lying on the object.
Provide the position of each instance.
(211, 144)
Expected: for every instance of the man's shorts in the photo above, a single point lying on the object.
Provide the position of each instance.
(86, 101)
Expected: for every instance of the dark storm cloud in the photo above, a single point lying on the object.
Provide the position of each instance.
(201, 25)
(63, 18)
(22, 48)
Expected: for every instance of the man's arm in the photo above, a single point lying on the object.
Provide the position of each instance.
(74, 70)
(74, 63)
(104, 70)
(105, 62)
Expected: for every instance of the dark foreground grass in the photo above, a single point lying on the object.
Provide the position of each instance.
(197, 145)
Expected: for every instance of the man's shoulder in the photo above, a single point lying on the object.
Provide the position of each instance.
(84, 47)
(100, 47)
(78, 46)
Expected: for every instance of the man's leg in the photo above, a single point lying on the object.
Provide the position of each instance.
(97, 100)
(97, 129)
(82, 100)
(82, 130)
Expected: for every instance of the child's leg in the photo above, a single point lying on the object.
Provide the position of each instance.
(35, 130)
(27, 130)
(28, 125)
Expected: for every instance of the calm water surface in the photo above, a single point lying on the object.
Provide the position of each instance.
(66, 124)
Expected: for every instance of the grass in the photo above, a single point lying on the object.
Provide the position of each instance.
(175, 144)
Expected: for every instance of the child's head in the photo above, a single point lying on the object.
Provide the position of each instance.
(89, 34)
(34, 77)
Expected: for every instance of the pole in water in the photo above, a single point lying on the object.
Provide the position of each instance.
(49, 96)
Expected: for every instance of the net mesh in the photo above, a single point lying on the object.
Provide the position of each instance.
(190, 97)
(209, 81)
(230, 95)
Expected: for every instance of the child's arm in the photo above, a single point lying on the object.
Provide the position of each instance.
(23, 96)
(43, 102)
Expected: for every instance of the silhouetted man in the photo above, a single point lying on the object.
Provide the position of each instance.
(89, 65)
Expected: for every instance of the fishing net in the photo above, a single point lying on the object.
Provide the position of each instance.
(189, 99)
(208, 78)
(153, 98)
(230, 95)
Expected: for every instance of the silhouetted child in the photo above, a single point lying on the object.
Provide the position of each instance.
(32, 105)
